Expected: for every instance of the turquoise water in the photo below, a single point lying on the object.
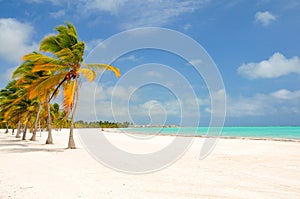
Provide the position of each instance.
(278, 132)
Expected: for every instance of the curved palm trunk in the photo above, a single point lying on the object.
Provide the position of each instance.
(49, 126)
(71, 143)
(33, 138)
(25, 129)
(6, 131)
(18, 135)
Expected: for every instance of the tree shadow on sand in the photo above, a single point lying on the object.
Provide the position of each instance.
(31, 149)
(21, 146)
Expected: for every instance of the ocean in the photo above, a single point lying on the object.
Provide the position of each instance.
(268, 132)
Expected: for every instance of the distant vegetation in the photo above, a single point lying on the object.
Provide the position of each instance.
(101, 124)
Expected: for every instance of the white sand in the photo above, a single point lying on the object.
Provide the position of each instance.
(235, 169)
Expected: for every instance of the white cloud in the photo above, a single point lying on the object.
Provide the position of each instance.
(129, 13)
(54, 2)
(136, 13)
(158, 13)
(284, 94)
(7, 75)
(131, 58)
(154, 74)
(276, 66)
(57, 14)
(111, 6)
(279, 102)
(265, 18)
(124, 107)
(15, 39)
(90, 45)
(196, 62)
(187, 26)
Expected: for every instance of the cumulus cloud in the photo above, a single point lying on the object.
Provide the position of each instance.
(265, 18)
(96, 103)
(285, 94)
(276, 66)
(122, 103)
(15, 39)
(282, 101)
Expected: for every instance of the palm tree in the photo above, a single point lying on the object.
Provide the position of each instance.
(7, 97)
(25, 78)
(19, 105)
(23, 107)
(65, 64)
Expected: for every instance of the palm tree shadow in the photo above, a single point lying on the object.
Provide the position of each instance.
(9, 142)
(12, 144)
(33, 149)
(19, 146)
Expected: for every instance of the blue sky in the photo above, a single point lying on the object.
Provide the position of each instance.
(255, 45)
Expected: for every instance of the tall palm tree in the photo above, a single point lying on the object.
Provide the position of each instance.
(65, 64)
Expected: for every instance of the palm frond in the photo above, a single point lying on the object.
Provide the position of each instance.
(24, 68)
(89, 74)
(69, 95)
(44, 85)
(50, 44)
(104, 66)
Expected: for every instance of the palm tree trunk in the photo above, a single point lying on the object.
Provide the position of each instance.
(49, 139)
(71, 143)
(13, 131)
(25, 129)
(6, 131)
(18, 135)
(33, 138)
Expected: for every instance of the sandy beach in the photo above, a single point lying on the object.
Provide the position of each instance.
(235, 169)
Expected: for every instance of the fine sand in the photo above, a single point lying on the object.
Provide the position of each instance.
(235, 169)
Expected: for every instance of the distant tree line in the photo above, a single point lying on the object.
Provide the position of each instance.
(100, 124)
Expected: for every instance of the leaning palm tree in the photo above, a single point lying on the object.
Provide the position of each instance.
(65, 65)
(7, 97)
(25, 78)
(19, 105)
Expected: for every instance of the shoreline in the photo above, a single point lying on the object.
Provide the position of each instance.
(115, 130)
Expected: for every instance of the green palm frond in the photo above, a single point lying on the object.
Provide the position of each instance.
(50, 44)
(24, 68)
(43, 62)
